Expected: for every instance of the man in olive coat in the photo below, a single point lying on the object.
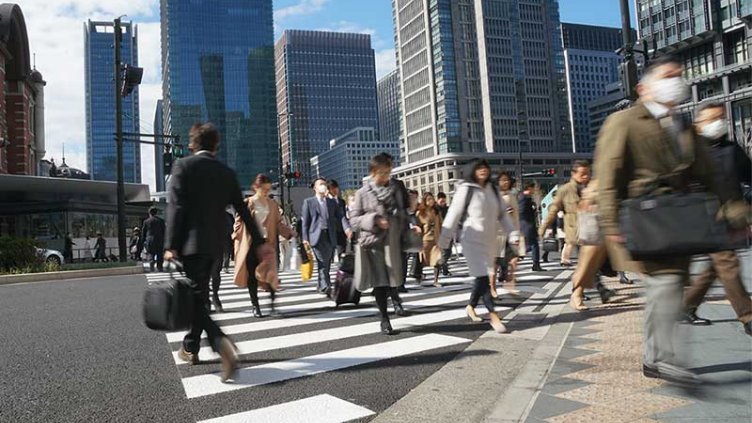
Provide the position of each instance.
(636, 147)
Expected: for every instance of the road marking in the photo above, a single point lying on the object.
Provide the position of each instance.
(321, 318)
(339, 333)
(319, 409)
(210, 384)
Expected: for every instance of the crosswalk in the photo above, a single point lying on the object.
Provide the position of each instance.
(311, 337)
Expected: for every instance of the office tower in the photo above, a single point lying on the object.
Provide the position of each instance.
(99, 61)
(389, 107)
(159, 150)
(218, 66)
(591, 64)
(480, 76)
(326, 86)
(347, 158)
(713, 39)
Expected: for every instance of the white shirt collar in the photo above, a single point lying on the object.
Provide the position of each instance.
(659, 111)
(202, 152)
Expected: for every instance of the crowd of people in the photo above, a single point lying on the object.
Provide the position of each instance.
(395, 232)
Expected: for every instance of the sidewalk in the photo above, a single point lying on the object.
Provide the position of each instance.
(597, 376)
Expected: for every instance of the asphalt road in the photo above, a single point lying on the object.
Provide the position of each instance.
(78, 351)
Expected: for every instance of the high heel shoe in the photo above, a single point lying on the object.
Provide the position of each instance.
(496, 324)
(386, 328)
(470, 310)
(257, 312)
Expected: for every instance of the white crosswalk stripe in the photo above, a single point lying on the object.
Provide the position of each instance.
(310, 320)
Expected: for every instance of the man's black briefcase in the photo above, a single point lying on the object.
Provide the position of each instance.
(672, 225)
(168, 305)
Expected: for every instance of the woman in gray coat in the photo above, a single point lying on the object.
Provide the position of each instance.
(378, 220)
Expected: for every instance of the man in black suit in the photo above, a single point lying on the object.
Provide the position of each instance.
(152, 239)
(529, 222)
(334, 194)
(320, 218)
(200, 189)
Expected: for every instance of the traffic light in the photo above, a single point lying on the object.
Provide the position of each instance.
(131, 79)
(549, 172)
(293, 175)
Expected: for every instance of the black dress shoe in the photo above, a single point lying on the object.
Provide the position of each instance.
(605, 294)
(537, 268)
(217, 305)
(257, 312)
(402, 288)
(386, 328)
(748, 328)
(399, 310)
(693, 319)
(670, 373)
(624, 280)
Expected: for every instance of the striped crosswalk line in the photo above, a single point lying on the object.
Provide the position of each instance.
(310, 321)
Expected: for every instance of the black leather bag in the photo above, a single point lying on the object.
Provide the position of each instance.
(550, 245)
(672, 225)
(168, 305)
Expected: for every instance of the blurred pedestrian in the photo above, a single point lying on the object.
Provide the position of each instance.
(507, 261)
(478, 204)
(135, 242)
(224, 261)
(68, 248)
(200, 189)
(87, 250)
(443, 207)
(430, 224)
(379, 220)
(265, 212)
(100, 248)
(731, 168)
(153, 238)
(529, 222)
(336, 195)
(647, 150)
(567, 199)
(320, 218)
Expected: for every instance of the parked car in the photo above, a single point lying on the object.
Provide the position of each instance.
(51, 256)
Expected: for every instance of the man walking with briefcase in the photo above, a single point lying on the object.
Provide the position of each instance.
(200, 189)
(647, 151)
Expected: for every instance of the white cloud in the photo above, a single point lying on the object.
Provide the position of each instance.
(305, 7)
(347, 26)
(386, 61)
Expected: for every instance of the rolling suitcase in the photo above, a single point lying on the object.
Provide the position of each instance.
(343, 290)
(168, 305)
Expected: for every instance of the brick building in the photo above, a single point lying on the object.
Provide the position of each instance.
(21, 98)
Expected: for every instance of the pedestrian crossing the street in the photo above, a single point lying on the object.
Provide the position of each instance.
(309, 337)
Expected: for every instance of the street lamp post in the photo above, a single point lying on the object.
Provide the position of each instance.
(123, 252)
(628, 67)
(281, 160)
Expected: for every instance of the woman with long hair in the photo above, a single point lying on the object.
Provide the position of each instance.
(478, 205)
(378, 216)
(269, 220)
(430, 224)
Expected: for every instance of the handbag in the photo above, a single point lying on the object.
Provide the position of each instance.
(588, 228)
(672, 225)
(306, 267)
(411, 241)
(168, 305)
(550, 245)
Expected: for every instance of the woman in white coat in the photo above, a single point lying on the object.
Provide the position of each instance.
(479, 207)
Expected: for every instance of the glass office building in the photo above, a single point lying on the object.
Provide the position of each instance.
(159, 173)
(591, 64)
(218, 66)
(99, 61)
(326, 86)
(389, 107)
(713, 39)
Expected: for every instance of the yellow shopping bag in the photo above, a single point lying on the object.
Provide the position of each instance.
(306, 266)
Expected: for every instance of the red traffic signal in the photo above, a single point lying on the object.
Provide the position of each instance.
(549, 172)
(296, 175)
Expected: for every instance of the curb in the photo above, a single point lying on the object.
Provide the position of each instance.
(71, 274)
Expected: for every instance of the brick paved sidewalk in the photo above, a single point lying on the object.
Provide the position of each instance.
(597, 377)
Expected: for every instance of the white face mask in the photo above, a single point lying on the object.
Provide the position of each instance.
(670, 90)
(321, 189)
(715, 129)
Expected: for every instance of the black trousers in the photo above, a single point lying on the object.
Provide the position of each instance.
(198, 269)
(482, 289)
(216, 277)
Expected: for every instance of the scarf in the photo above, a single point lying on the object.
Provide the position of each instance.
(384, 195)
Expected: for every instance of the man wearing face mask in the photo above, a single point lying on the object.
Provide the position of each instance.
(636, 148)
(731, 167)
(320, 219)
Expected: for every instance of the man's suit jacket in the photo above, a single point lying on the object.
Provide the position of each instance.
(152, 235)
(312, 221)
(342, 208)
(200, 189)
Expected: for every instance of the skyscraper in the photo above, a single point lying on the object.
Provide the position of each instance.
(99, 61)
(159, 171)
(389, 107)
(480, 76)
(714, 40)
(218, 66)
(326, 86)
(591, 64)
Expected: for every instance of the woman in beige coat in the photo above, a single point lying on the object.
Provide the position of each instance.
(430, 225)
(266, 213)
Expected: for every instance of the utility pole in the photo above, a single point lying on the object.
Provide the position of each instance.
(119, 141)
(628, 68)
